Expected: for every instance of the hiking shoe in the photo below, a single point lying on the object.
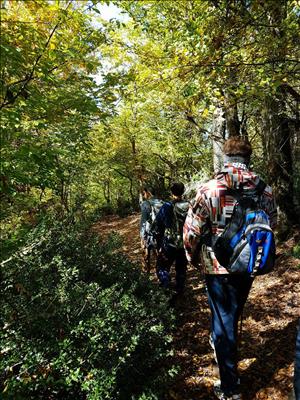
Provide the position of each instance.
(218, 392)
(164, 278)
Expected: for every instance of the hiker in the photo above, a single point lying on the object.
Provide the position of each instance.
(169, 225)
(211, 212)
(149, 209)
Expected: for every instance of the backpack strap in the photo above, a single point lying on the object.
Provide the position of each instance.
(258, 190)
(173, 202)
(260, 187)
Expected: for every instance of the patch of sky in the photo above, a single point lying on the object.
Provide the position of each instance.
(105, 13)
(109, 12)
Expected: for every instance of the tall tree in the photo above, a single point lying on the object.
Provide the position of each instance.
(232, 55)
(48, 98)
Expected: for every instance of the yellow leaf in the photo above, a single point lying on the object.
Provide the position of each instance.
(52, 46)
(205, 113)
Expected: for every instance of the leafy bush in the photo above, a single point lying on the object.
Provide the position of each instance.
(126, 207)
(13, 232)
(296, 251)
(79, 321)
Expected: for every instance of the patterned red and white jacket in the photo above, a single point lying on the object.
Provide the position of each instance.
(213, 207)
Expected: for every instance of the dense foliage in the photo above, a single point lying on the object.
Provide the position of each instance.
(79, 321)
(210, 70)
(173, 79)
(48, 101)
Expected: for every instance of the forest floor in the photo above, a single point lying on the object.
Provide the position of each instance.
(267, 341)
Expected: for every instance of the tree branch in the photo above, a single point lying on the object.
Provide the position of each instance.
(169, 163)
(12, 98)
(289, 89)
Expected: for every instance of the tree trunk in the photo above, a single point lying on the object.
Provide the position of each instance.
(218, 130)
(63, 195)
(277, 128)
(233, 124)
(232, 119)
(132, 195)
(106, 191)
(278, 152)
(295, 144)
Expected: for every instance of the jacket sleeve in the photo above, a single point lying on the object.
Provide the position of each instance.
(196, 224)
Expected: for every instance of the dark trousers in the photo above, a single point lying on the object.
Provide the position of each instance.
(166, 257)
(227, 295)
(297, 365)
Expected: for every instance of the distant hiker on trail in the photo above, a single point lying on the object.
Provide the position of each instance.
(215, 228)
(149, 209)
(169, 225)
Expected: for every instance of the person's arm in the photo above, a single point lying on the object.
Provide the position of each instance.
(195, 227)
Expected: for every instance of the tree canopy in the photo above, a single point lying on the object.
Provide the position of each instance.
(173, 80)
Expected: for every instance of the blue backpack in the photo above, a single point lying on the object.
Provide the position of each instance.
(247, 243)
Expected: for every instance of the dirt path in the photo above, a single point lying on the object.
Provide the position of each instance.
(267, 343)
(128, 228)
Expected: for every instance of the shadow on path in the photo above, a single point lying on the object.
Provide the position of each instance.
(267, 344)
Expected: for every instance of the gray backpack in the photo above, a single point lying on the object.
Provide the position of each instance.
(155, 205)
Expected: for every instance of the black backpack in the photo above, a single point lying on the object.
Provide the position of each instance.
(247, 243)
(174, 234)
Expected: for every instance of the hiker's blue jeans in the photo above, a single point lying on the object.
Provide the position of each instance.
(297, 365)
(166, 257)
(227, 295)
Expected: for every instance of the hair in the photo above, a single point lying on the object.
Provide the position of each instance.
(149, 190)
(177, 188)
(237, 146)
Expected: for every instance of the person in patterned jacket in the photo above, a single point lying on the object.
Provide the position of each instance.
(227, 293)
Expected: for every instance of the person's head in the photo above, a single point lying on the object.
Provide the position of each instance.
(146, 193)
(177, 189)
(237, 149)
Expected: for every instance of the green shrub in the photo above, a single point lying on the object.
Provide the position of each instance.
(13, 232)
(126, 207)
(296, 251)
(78, 321)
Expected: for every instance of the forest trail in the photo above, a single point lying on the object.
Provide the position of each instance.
(267, 343)
(128, 229)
